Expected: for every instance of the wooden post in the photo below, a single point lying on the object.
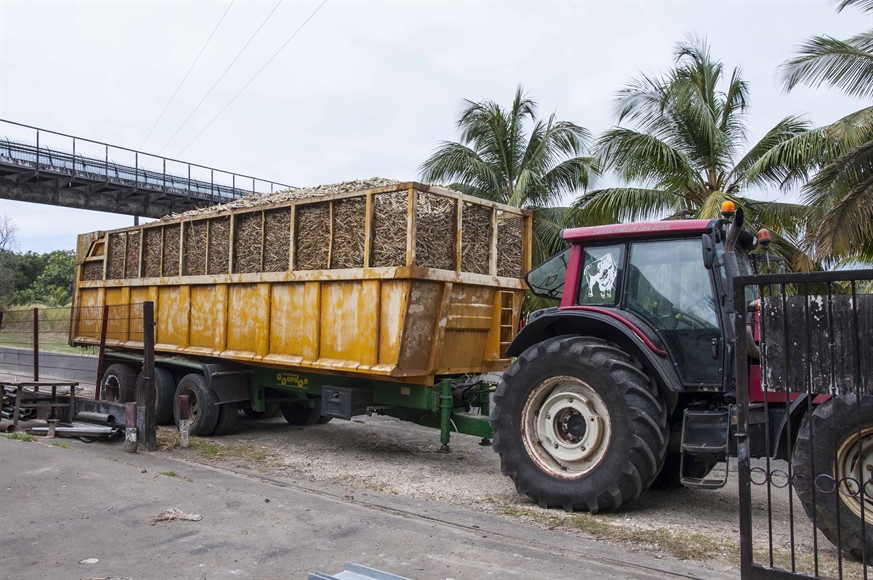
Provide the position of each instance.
(184, 420)
(36, 346)
(130, 435)
(148, 326)
(101, 357)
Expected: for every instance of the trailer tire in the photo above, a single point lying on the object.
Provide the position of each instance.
(165, 391)
(271, 410)
(579, 425)
(203, 401)
(299, 413)
(118, 384)
(227, 414)
(828, 444)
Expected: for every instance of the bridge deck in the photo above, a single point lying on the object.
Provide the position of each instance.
(38, 174)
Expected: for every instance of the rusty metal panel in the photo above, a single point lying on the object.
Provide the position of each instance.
(208, 321)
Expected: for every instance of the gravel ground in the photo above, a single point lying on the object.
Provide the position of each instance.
(393, 457)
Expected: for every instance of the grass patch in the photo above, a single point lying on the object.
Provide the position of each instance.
(19, 436)
(213, 450)
(679, 544)
(170, 473)
(61, 445)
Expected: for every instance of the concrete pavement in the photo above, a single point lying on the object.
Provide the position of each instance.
(61, 506)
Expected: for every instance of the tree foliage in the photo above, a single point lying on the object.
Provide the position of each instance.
(686, 152)
(835, 162)
(511, 156)
(27, 278)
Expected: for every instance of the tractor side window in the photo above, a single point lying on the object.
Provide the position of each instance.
(600, 282)
(668, 285)
(547, 279)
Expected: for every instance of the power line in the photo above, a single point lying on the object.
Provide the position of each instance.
(275, 54)
(212, 88)
(161, 116)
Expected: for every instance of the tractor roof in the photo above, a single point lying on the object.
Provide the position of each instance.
(636, 230)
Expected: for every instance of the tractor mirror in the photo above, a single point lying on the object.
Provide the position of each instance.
(708, 251)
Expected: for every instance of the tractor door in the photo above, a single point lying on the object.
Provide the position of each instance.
(668, 285)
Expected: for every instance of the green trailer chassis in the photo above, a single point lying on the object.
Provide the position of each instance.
(446, 405)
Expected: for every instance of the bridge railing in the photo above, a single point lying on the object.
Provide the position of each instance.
(44, 150)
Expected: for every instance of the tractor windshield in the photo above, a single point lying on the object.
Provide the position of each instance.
(547, 279)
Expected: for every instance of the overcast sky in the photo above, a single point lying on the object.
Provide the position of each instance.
(366, 88)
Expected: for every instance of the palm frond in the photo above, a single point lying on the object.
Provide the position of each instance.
(864, 5)
(776, 158)
(456, 162)
(622, 204)
(640, 156)
(843, 64)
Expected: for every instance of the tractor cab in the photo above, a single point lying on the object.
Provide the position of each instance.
(661, 287)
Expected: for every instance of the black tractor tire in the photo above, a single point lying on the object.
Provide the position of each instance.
(118, 384)
(227, 414)
(203, 404)
(322, 420)
(165, 391)
(613, 423)
(670, 477)
(826, 440)
(299, 413)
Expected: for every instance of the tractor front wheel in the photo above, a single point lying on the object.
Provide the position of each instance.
(579, 425)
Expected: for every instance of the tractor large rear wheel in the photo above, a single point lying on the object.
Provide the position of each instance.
(833, 472)
(579, 425)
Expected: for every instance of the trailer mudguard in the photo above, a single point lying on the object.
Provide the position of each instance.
(230, 382)
(561, 322)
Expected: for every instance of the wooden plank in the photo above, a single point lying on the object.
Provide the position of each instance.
(492, 251)
(292, 245)
(368, 229)
(459, 230)
(412, 206)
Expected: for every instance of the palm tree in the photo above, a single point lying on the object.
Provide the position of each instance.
(840, 195)
(510, 156)
(682, 156)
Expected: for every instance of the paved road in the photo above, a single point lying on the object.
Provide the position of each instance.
(62, 506)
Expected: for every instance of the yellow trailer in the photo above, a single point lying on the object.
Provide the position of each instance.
(404, 283)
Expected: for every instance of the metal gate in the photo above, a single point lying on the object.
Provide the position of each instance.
(805, 423)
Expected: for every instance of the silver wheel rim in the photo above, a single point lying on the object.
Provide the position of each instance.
(565, 427)
(856, 453)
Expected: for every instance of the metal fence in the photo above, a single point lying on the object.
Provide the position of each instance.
(44, 150)
(35, 351)
(805, 423)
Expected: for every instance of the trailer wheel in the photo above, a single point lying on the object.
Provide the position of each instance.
(578, 425)
(118, 384)
(271, 410)
(300, 413)
(830, 450)
(227, 414)
(203, 402)
(165, 390)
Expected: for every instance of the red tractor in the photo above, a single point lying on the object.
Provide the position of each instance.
(631, 381)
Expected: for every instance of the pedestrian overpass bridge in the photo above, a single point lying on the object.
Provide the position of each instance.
(41, 166)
